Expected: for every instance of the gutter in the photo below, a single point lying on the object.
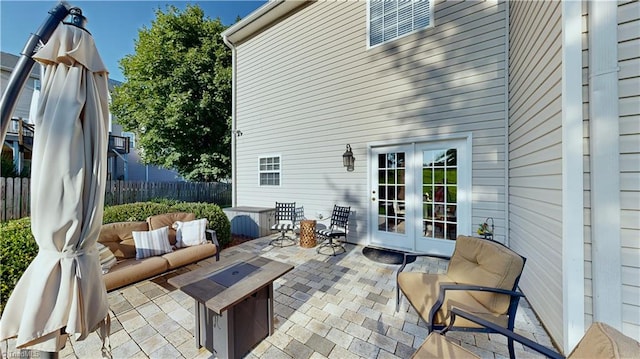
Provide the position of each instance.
(247, 21)
(262, 18)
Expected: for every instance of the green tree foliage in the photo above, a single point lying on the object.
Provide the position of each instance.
(177, 94)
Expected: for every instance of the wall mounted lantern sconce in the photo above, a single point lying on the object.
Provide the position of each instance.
(347, 159)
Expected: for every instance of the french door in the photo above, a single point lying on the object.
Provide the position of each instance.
(420, 195)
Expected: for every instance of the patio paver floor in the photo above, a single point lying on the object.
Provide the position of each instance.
(326, 307)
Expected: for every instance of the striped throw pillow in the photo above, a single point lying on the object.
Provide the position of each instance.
(191, 233)
(151, 243)
(107, 259)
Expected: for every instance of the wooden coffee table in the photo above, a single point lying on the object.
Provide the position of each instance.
(234, 302)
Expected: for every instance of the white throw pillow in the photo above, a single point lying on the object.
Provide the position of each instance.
(190, 233)
(107, 259)
(151, 243)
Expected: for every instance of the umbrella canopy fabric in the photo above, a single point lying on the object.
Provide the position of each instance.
(62, 291)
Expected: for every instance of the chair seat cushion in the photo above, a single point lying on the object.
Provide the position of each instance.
(437, 346)
(422, 290)
(329, 233)
(282, 227)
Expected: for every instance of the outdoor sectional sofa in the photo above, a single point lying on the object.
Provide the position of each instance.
(118, 237)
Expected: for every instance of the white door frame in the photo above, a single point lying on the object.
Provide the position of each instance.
(464, 143)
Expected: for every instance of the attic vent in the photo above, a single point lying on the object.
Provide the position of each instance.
(391, 19)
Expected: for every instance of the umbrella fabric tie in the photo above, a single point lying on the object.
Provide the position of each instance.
(73, 255)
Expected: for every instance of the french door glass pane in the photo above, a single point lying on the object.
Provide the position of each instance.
(439, 193)
(391, 192)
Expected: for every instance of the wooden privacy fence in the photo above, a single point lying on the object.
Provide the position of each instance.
(15, 195)
(120, 192)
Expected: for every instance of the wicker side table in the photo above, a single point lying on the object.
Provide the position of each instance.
(308, 233)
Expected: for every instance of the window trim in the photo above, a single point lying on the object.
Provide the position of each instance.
(279, 171)
(368, 35)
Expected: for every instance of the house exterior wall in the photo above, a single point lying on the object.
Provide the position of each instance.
(136, 170)
(536, 175)
(308, 85)
(535, 154)
(23, 103)
(629, 126)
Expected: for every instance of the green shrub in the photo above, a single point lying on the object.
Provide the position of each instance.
(18, 248)
(138, 211)
(218, 220)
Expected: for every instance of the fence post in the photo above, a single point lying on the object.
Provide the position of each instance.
(3, 199)
(25, 198)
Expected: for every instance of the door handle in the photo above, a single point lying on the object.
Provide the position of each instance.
(373, 199)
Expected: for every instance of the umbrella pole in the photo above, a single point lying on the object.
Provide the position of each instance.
(25, 64)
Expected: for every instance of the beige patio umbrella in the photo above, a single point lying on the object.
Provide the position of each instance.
(62, 291)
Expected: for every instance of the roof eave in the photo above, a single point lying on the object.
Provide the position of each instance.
(259, 19)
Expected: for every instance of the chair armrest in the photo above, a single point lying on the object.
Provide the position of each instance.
(456, 286)
(210, 234)
(444, 287)
(506, 332)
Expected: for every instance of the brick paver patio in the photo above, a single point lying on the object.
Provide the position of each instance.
(326, 307)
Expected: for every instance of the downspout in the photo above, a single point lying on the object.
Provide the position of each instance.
(506, 125)
(234, 191)
(605, 168)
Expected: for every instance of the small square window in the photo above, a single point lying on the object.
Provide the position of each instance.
(269, 170)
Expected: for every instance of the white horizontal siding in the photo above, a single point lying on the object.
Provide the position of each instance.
(629, 107)
(535, 163)
(308, 85)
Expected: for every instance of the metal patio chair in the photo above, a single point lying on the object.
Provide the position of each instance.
(337, 229)
(482, 278)
(285, 217)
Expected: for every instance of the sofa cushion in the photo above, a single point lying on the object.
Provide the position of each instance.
(133, 270)
(486, 263)
(190, 233)
(152, 243)
(167, 220)
(189, 255)
(118, 237)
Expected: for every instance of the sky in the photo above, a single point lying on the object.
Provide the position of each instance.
(113, 24)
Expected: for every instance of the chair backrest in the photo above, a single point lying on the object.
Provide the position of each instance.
(487, 263)
(285, 211)
(340, 217)
(299, 216)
